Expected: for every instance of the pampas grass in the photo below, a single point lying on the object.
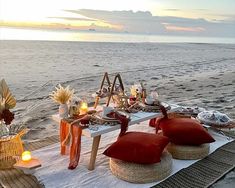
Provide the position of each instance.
(61, 95)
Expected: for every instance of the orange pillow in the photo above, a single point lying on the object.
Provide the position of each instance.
(184, 131)
(138, 147)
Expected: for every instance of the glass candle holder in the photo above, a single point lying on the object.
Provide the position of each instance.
(26, 156)
(83, 108)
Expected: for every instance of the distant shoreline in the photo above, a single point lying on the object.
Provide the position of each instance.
(199, 43)
(65, 35)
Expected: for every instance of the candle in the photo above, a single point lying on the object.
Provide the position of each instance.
(83, 108)
(26, 156)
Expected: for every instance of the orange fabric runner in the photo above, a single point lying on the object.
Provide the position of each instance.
(64, 130)
(76, 132)
(75, 147)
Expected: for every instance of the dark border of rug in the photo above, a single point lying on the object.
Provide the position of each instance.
(205, 172)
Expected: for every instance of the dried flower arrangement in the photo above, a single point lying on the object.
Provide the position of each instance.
(62, 95)
(136, 90)
(10, 134)
(7, 102)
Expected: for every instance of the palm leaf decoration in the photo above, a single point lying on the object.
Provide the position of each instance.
(6, 96)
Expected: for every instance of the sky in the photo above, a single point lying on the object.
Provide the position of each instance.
(174, 17)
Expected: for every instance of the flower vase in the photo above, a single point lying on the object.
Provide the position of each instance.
(4, 131)
(63, 110)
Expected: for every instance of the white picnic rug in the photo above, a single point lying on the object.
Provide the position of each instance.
(54, 172)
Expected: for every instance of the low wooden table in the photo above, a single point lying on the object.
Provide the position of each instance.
(96, 134)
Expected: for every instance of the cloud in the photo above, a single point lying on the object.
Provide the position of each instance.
(172, 9)
(226, 17)
(134, 22)
(213, 29)
(144, 22)
(141, 22)
(188, 29)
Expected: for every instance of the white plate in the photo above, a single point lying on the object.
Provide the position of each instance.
(214, 118)
(156, 107)
(105, 117)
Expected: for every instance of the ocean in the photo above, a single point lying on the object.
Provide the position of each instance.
(8, 33)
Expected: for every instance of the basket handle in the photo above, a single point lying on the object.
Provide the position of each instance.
(23, 132)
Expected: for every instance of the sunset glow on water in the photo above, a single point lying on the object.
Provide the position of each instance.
(92, 36)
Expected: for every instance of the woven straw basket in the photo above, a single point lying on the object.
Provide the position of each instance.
(11, 149)
(188, 152)
(142, 173)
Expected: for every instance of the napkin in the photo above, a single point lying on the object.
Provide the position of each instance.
(123, 120)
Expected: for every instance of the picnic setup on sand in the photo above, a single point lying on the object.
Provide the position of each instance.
(125, 138)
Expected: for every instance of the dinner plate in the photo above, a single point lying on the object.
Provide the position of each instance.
(214, 118)
(108, 118)
(156, 107)
(100, 115)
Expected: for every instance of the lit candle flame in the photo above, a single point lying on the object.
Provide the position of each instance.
(83, 108)
(26, 156)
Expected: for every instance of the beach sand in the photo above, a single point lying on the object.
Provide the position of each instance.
(212, 92)
(186, 74)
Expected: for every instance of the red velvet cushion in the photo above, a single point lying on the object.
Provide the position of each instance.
(138, 147)
(185, 131)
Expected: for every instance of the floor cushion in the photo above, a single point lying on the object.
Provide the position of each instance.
(184, 131)
(138, 147)
(185, 152)
(142, 173)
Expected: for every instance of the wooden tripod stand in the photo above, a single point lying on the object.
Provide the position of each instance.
(111, 88)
